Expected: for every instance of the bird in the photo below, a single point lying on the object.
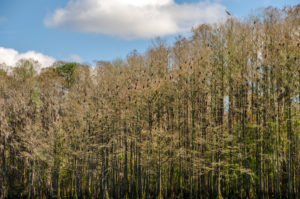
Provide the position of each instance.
(228, 13)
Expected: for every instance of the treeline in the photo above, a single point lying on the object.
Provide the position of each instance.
(213, 116)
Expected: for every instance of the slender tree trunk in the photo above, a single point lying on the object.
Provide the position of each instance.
(290, 159)
(125, 179)
(3, 170)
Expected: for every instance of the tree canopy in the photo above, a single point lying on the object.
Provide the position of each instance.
(215, 115)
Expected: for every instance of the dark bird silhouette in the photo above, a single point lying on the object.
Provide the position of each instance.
(228, 13)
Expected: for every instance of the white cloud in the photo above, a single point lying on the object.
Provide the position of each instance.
(134, 18)
(75, 58)
(10, 57)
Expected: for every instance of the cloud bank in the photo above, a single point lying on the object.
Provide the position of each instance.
(134, 18)
(10, 57)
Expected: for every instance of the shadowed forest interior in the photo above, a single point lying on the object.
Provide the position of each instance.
(215, 115)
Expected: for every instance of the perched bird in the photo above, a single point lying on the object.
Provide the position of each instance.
(228, 13)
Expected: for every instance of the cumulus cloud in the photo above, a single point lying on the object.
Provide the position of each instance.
(10, 57)
(134, 18)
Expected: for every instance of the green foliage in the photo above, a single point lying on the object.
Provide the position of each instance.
(35, 96)
(66, 71)
(3, 72)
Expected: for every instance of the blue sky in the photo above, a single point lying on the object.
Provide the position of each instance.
(35, 25)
